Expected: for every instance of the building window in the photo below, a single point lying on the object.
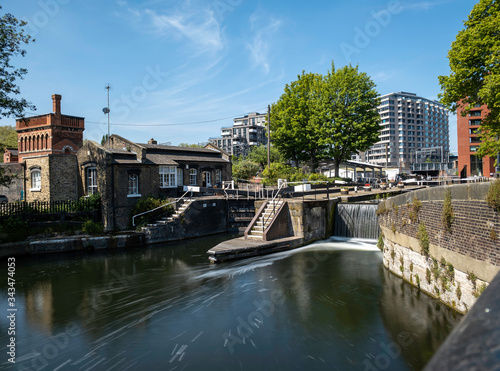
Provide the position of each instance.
(474, 148)
(91, 180)
(192, 177)
(180, 177)
(133, 185)
(218, 176)
(36, 180)
(167, 176)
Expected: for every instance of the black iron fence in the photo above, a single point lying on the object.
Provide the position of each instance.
(48, 207)
(43, 213)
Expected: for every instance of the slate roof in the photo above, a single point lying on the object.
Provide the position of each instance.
(176, 158)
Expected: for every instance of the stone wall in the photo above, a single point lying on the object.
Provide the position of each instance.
(63, 178)
(203, 217)
(469, 249)
(13, 191)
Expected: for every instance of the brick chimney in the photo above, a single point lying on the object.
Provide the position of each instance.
(152, 141)
(56, 103)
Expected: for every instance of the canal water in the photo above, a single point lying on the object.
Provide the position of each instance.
(327, 306)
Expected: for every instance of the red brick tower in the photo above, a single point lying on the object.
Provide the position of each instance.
(53, 133)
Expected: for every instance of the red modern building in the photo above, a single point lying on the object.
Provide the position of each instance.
(468, 128)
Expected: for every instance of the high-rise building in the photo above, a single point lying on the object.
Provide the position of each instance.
(411, 127)
(468, 128)
(246, 132)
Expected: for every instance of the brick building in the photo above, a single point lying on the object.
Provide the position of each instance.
(46, 153)
(123, 171)
(468, 127)
(53, 133)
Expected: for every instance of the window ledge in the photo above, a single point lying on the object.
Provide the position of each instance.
(137, 195)
(35, 190)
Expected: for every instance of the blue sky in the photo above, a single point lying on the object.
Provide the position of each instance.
(181, 70)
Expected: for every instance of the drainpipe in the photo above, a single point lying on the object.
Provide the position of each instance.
(113, 194)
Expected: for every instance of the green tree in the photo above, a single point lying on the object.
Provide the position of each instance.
(474, 60)
(258, 154)
(12, 38)
(8, 139)
(328, 116)
(295, 122)
(244, 169)
(190, 145)
(349, 118)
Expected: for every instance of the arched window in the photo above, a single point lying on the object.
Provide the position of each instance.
(36, 180)
(133, 185)
(91, 180)
(192, 177)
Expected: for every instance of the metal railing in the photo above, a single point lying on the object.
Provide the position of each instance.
(273, 201)
(159, 207)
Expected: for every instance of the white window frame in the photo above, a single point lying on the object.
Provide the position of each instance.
(168, 176)
(91, 176)
(180, 177)
(193, 179)
(133, 186)
(36, 180)
(208, 178)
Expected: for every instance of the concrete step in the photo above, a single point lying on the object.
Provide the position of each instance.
(255, 237)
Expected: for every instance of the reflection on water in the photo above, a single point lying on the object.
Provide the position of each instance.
(330, 305)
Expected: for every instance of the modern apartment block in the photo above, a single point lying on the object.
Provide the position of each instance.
(247, 131)
(413, 128)
(468, 128)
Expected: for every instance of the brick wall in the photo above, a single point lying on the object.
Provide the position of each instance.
(469, 247)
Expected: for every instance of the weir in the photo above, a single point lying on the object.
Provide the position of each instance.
(356, 220)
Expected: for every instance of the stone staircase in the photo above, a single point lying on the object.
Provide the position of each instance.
(265, 219)
(164, 220)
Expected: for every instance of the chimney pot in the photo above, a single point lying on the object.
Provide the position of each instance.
(56, 103)
(152, 141)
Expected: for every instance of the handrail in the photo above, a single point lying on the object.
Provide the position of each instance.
(274, 203)
(159, 207)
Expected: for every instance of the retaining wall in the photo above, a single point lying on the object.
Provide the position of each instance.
(468, 250)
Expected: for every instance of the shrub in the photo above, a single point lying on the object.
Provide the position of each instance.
(459, 291)
(448, 216)
(245, 169)
(428, 276)
(149, 203)
(423, 239)
(415, 208)
(277, 171)
(417, 278)
(493, 195)
(13, 229)
(316, 177)
(472, 277)
(92, 228)
(493, 235)
(477, 293)
(380, 243)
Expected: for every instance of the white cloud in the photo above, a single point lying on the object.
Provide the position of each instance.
(199, 27)
(193, 22)
(263, 27)
(422, 5)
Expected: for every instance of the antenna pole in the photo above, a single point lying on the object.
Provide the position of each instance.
(268, 136)
(107, 88)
